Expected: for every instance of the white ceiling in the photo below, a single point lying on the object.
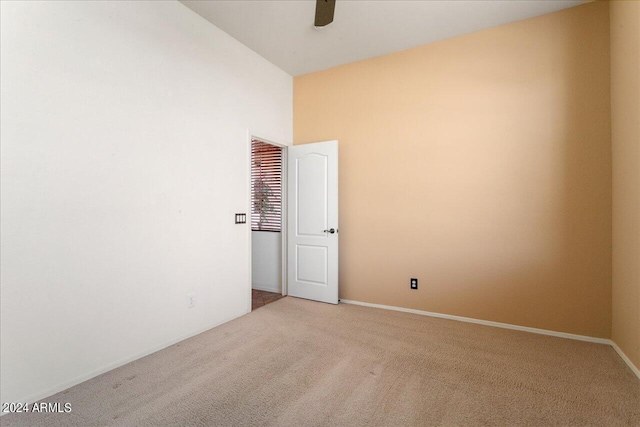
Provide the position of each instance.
(283, 31)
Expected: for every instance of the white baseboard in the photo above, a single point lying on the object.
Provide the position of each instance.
(266, 289)
(67, 384)
(483, 322)
(618, 350)
(84, 377)
(626, 359)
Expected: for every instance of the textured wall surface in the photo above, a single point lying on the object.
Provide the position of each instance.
(480, 165)
(625, 138)
(124, 158)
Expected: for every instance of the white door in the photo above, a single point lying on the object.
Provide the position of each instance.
(313, 221)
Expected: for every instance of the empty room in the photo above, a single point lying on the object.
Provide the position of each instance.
(320, 213)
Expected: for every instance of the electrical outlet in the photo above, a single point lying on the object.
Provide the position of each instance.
(414, 283)
(191, 300)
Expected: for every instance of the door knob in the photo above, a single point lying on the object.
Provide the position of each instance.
(331, 230)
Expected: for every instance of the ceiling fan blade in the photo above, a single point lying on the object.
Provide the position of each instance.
(324, 12)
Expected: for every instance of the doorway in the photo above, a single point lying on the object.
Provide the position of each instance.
(293, 188)
(267, 222)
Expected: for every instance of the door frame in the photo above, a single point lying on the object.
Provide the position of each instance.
(283, 231)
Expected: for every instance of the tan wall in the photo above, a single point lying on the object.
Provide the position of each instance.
(480, 165)
(625, 133)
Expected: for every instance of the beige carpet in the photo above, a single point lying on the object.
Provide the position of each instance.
(301, 363)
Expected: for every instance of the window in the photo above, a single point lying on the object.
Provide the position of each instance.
(266, 187)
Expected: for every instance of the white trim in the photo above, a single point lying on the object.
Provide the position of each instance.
(249, 237)
(265, 289)
(82, 378)
(618, 350)
(283, 231)
(111, 366)
(483, 322)
(285, 223)
(624, 357)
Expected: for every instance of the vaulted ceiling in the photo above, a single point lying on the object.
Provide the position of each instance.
(283, 31)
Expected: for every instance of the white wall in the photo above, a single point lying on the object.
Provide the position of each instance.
(124, 158)
(266, 261)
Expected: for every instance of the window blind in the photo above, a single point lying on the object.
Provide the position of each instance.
(266, 187)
